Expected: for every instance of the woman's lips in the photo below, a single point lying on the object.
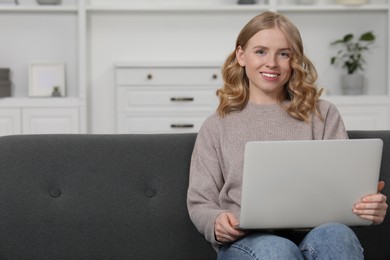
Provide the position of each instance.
(270, 76)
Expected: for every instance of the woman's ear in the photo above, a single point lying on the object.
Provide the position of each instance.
(240, 56)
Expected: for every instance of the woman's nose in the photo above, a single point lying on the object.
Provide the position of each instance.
(271, 61)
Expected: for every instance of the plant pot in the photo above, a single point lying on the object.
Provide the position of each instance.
(49, 2)
(352, 84)
(351, 2)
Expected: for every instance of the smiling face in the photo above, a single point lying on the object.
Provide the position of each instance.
(266, 59)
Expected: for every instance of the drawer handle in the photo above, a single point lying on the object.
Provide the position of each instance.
(149, 76)
(182, 125)
(182, 99)
(215, 76)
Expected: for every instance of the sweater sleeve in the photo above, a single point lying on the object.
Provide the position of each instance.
(332, 126)
(205, 183)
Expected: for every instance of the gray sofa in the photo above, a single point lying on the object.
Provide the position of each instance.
(114, 197)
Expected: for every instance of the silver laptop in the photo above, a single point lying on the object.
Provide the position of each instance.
(302, 184)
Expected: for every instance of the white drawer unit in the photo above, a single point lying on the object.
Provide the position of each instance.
(169, 76)
(165, 97)
(135, 99)
(161, 124)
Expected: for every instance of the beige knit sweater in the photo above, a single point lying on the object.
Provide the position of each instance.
(217, 159)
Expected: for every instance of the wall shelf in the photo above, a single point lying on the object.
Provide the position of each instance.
(59, 9)
(39, 102)
(167, 8)
(229, 8)
(328, 8)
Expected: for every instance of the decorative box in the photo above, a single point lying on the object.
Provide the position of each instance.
(5, 88)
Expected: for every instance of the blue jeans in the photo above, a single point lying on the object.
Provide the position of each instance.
(328, 241)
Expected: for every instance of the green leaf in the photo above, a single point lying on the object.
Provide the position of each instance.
(337, 42)
(367, 37)
(348, 37)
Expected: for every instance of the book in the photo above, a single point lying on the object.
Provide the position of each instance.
(9, 2)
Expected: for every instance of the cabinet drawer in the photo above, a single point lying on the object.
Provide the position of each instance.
(50, 121)
(134, 124)
(128, 98)
(168, 76)
(10, 121)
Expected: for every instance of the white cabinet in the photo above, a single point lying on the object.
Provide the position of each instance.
(363, 112)
(50, 121)
(10, 121)
(39, 116)
(373, 117)
(166, 97)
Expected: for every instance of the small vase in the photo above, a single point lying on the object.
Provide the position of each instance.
(49, 2)
(56, 92)
(352, 84)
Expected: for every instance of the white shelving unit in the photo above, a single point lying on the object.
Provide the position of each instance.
(43, 33)
(90, 36)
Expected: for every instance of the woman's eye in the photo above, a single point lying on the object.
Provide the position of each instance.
(261, 52)
(285, 55)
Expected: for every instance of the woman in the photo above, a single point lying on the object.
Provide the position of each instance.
(269, 93)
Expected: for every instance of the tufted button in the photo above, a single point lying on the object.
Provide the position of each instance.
(150, 193)
(55, 193)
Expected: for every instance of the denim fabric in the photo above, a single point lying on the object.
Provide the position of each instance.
(331, 241)
(328, 241)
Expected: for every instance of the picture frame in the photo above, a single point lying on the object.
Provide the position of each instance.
(46, 79)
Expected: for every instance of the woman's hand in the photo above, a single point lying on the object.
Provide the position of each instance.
(225, 228)
(373, 207)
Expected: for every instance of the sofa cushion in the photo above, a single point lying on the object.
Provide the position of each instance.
(97, 197)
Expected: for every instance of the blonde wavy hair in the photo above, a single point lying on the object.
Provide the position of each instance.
(300, 89)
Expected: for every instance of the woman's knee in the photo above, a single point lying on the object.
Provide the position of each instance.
(261, 246)
(336, 232)
(332, 240)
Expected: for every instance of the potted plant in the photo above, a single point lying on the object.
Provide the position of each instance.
(351, 57)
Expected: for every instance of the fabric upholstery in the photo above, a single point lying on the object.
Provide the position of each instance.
(97, 197)
(114, 197)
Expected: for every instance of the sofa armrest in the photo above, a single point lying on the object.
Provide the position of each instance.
(375, 238)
